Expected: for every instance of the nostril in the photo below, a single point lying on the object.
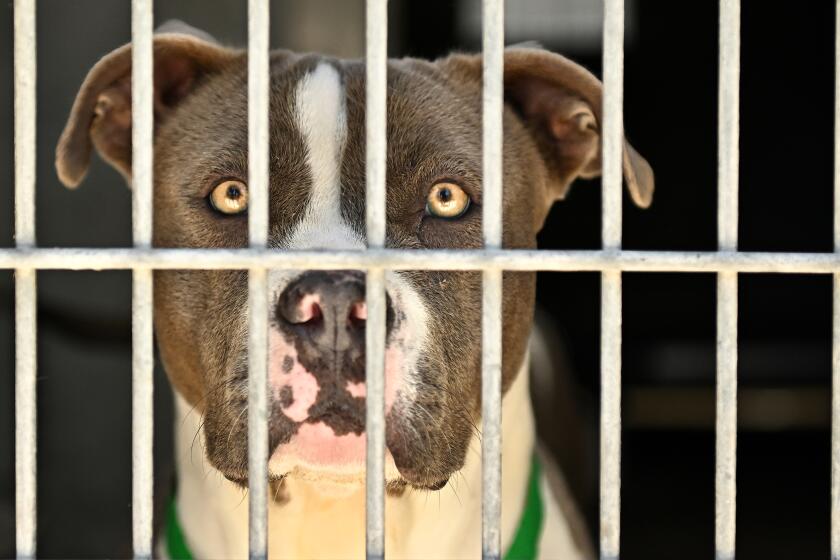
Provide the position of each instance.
(307, 311)
(358, 314)
(314, 315)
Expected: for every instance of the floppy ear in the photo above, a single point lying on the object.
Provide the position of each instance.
(559, 102)
(101, 114)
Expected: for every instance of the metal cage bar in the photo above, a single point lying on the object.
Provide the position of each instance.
(376, 29)
(491, 302)
(26, 259)
(258, 181)
(727, 282)
(611, 226)
(835, 346)
(142, 359)
(25, 75)
(395, 259)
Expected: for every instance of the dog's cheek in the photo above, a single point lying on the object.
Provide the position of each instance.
(431, 428)
(176, 308)
(225, 430)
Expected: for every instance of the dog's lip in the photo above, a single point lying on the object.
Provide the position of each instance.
(316, 446)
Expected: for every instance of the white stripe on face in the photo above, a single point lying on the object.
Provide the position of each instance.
(322, 120)
(320, 112)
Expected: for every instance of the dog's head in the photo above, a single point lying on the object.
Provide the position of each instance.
(552, 123)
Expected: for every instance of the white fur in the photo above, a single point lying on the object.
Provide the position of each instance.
(320, 111)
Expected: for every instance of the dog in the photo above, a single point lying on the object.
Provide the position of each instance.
(552, 119)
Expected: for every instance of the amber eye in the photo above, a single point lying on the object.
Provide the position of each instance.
(229, 197)
(447, 200)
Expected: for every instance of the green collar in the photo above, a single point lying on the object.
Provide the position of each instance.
(527, 538)
(524, 545)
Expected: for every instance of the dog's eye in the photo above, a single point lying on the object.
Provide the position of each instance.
(229, 197)
(447, 200)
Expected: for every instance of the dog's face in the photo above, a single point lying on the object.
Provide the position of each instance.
(317, 186)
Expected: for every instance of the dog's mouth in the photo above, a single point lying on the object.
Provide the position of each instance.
(330, 446)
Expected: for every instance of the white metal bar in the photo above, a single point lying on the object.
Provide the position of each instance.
(611, 227)
(491, 304)
(376, 27)
(396, 259)
(257, 413)
(258, 209)
(376, 57)
(613, 135)
(25, 75)
(727, 291)
(25, 412)
(142, 94)
(375, 420)
(610, 476)
(835, 346)
(835, 423)
(727, 414)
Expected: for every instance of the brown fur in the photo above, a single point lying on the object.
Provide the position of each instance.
(551, 131)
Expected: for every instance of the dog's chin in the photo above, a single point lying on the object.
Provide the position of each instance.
(334, 463)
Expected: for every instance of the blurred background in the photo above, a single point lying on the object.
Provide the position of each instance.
(669, 319)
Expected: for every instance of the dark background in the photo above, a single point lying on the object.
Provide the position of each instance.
(787, 81)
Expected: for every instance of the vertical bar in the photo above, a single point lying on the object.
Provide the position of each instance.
(727, 282)
(142, 409)
(835, 346)
(25, 281)
(611, 318)
(376, 27)
(258, 171)
(493, 45)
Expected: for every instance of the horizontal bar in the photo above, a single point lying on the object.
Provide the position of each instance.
(422, 259)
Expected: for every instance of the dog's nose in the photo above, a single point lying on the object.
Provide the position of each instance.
(326, 308)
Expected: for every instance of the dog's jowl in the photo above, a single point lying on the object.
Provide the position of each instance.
(317, 319)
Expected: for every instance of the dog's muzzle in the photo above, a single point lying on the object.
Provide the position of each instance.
(317, 365)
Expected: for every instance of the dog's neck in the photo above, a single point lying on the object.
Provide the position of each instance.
(213, 512)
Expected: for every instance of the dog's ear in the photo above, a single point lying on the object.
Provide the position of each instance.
(101, 114)
(560, 104)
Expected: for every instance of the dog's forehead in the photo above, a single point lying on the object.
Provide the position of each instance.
(317, 114)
